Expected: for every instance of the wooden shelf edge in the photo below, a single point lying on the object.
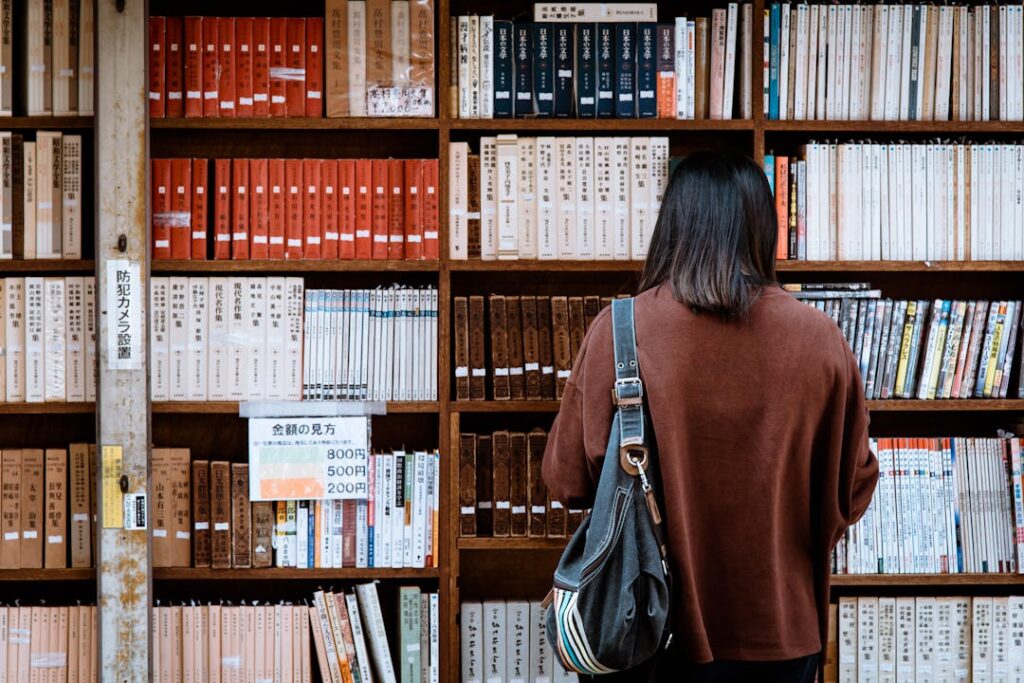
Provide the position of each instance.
(83, 574)
(274, 574)
(784, 266)
(160, 266)
(569, 124)
(231, 407)
(46, 122)
(55, 266)
(294, 124)
(881, 127)
(885, 406)
(492, 543)
(46, 408)
(899, 580)
(504, 406)
(546, 266)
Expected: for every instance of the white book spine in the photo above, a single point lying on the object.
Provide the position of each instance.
(357, 57)
(486, 67)
(679, 60)
(488, 199)
(90, 338)
(71, 199)
(495, 643)
(641, 223)
(465, 79)
(783, 78)
(294, 293)
(197, 348)
(74, 346)
(54, 386)
(474, 67)
(356, 623)
(547, 188)
(369, 605)
(458, 200)
(691, 68)
(507, 197)
(585, 200)
(803, 44)
(565, 237)
(471, 642)
(604, 194)
(177, 321)
(517, 643)
(813, 35)
(159, 340)
(731, 32)
(526, 210)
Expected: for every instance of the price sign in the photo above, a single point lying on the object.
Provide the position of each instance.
(296, 458)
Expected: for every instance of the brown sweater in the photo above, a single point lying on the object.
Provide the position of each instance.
(761, 430)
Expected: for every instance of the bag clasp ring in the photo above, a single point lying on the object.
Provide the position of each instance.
(633, 460)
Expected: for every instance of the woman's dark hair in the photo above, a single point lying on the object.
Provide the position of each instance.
(714, 242)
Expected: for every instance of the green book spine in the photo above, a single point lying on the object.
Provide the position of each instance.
(409, 627)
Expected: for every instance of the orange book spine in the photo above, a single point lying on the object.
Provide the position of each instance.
(295, 61)
(315, 67)
(211, 66)
(181, 209)
(259, 209)
(364, 208)
(200, 207)
(329, 208)
(413, 209)
(278, 64)
(311, 219)
(782, 206)
(261, 67)
(275, 230)
(347, 209)
(294, 204)
(396, 209)
(222, 209)
(161, 208)
(226, 72)
(243, 67)
(193, 49)
(379, 208)
(157, 67)
(240, 209)
(431, 210)
(174, 75)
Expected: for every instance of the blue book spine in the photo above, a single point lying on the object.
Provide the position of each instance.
(544, 69)
(769, 171)
(311, 535)
(625, 70)
(563, 69)
(647, 71)
(586, 71)
(605, 70)
(504, 85)
(524, 69)
(775, 28)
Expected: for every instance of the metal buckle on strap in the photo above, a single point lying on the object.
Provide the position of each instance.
(632, 385)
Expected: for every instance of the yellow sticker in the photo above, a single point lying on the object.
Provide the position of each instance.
(113, 503)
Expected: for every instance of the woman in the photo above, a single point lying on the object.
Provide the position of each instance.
(760, 424)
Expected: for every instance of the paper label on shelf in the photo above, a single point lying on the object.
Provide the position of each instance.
(135, 511)
(113, 509)
(124, 315)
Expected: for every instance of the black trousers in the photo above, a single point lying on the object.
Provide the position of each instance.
(669, 669)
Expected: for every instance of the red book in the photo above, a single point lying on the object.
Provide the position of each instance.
(193, 47)
(314, 67)
(311, 226)
(782, 206)
(396, 209)
(157, 67)
(261, 67)
(226, 73)
(329, 208)
(413, 209)
(277, 208)
(243, 67)
(240, 209)
(174, 75)
(181, 209)
(259, 209)
(222, 209)
(278, 64)
(347, 209)
(200, 208)
(431, 213)
(211, 66)
(293, 209)
(379, 224)
(295, 61)
(364, 208)
(161, 208)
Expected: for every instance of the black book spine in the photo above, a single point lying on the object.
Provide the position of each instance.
(586, 71)
(543, 69)
(605, 70)
(524, 69)
(625, 70)
(646, 72)
(563, 69)
(503, 70)
(666, 92)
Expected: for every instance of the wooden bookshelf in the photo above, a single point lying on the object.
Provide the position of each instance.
(255, 267)
(277, 574)
(47, 408)
(46, 123)
(231, 407)
(294, 124)
(49, 575)
(47, 266)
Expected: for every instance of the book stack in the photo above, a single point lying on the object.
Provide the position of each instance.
(57, 57)
(957, 638)
(370, 344)
(508, 641)
(570, 198)
(533, 342)
(894, 62)
(295, 209)
(226, 339)
(203, 517)
(41, 196)
(48, 327)
(352, 643)
(865, 201)
(54, 642)
(923, 349)
(942, 506)
(501, 492)
(603, 60)
(47, 507)
(236, 67)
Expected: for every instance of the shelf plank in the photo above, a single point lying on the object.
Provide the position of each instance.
(546, 266)
(46, 408)
(276, 573)
(231, 407)
(86, 574)
(55, 266)
(602, 125)
(297, 123)
(46, 122)
(884, 127)
(887, 406)
(504, 406)
(487, 543)
(161, 266)
(781, 266)
(898, 580)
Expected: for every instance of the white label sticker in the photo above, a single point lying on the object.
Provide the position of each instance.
(123, 315)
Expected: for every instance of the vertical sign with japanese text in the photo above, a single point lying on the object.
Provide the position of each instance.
(124, 315)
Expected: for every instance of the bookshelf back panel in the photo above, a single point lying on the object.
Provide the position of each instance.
(313, 144)
(47, 431)
(251, 8)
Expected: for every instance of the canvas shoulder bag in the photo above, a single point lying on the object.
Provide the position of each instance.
(609, 608)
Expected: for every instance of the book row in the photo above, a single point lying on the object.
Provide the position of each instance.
(926, 349)
(884, 62)
(49, 643)
(47, 507)
(41, 196)
(507, 641)
(352, 644)
(370, 344)
(203, 517)
(863, 201)
(532, 341)
(571, 198)
(295, 209)
(54, 68)
(48, 335)
(684, 68)
(957, 638)
(941, 506)
(501, 491)
(226, 339)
